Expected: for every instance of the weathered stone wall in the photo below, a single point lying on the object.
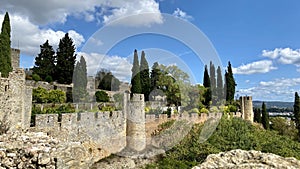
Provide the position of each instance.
(15, 100)
(104, 128)
(247, 108)
(48, 86)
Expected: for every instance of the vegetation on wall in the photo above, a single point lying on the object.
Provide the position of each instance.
(101, 96)
(41, 95)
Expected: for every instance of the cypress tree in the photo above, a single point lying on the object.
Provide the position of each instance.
(80, 81)
(257, 115)
(66, 59)
(220, 92)
(45, 61)
(297, 113)
(206, 84)
(212, 76)
(5, 51)
(145, 76)
(230, 84)
(135, 78)
(265, 117)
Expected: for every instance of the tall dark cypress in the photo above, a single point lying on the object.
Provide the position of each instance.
(297, 113)
(265, 117)
(212, 77)
(206, 84)
(145, 76)
(230, 84)
(5, 52)
(66, 59)
(220, 91)
(135, 78)
(257, 115)
(80, 81)
(45, 61)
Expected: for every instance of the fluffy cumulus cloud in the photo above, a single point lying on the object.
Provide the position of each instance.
(262, 66)
(181, 14)
(45, 12)
(119, 66)
(284, 55)
(280, 89)
(28, 36)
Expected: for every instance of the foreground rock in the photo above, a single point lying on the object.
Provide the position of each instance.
(241, 159)
(38, 150)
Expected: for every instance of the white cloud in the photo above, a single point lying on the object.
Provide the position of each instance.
(262, 66)
(45, 12)
(278, 89)
(181, 14)
(284, 55)
(28, 37)
(119, 66)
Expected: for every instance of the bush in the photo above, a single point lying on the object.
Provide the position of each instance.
(48, 79)
(41, 95)
(231, 133)
(36, 77)
(101, 96)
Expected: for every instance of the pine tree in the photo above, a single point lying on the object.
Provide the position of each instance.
(145, 76)
(220, 92)
(257, 115)
(66, 59)
(230, 84)
(206, 84)
(5, 51)
(297, 113)
(80, 81)
(265, 117)
(135, 78)
(45, 61)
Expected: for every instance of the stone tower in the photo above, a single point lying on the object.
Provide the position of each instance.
(91, 87)
(246, 107)
(135, 130)
(15, 100)
(15, 58)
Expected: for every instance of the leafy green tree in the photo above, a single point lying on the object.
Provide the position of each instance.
(80, 81)
(220, 91)
(101, 96)
(135, 78)
(66, 59)
(5, 51)
(257, 115)
(145, 76)
(284, 127)
(230, 84)
(265, 117)
(297, 113)
(155, 74)
(45, 61)
(206, 84)
(105, 80)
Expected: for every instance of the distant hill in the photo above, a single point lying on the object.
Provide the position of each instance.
(274, 104)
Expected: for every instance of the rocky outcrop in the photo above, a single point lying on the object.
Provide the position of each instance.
(241, 159)
(30, 150)
(38, 150)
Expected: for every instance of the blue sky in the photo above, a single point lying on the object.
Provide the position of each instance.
(259, 38)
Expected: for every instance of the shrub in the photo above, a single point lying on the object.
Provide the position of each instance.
(56, 96)
(39, 95)
(48, 79)
(101, 96)
(36, 77)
